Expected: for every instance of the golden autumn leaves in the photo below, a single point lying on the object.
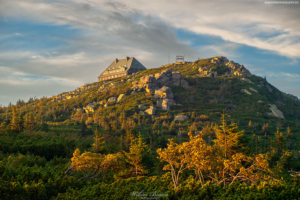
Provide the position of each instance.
(94, 164)
(223, 161)
(220, 163)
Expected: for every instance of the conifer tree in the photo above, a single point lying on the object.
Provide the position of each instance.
(20, 123)
(137, 150)
(14, 121)
(172, 127)
(227, 137)
(98, 142)
(30, 122)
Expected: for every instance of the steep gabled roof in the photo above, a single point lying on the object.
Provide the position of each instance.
(125, 64)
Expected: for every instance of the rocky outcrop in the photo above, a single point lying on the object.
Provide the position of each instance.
(112, 99)
(237, 69)
(80, 110)
(207, 72)
(165, 98)
(233, 68)
(141, 106)
(254, 90)
(170, 77)
(180, 117)
(167, 103)
(275, 112)
(269, 88)
(141, 112)
(246, 91)
(247, 80)
(164, 93)
(219, 60)
(151, 110)
(150, 83)
(90, 108)
(121, 96)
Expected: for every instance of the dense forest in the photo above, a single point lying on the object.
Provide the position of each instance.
(227, 145)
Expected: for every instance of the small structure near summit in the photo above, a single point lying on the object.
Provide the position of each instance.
(120, 68)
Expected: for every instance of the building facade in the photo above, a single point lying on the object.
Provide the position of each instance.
(120, 68)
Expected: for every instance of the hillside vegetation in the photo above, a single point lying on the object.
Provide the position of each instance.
(201, 130)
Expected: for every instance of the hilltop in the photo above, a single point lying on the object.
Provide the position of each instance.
(206, 88)
(178, 100)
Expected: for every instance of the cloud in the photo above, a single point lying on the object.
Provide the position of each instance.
(272, 27)
(146, 30)
(282, 74)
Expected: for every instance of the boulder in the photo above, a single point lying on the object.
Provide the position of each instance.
(141, 106)
(260, 101)
(148, 82)
(112, 99)
(89, 108)
(246, 91)
(178, 79)
(247, 80)
(164, 77)
(207, 72)
(141, 112)
(164, 93)
(159, 103)
(235, 68)
(254, 90)
(180, 117)
(121, 96)
(167, 77)
(275, 111)
(167, 103)
(219, 60)
(80, 110)
(106, 105)
(151, 110)
(269, 88)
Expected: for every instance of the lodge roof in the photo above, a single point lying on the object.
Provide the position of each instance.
(124, 65)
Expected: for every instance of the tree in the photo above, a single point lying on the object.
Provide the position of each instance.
(93, 164)
(30, 122)
(14, 121)
(177, 158)
(257, 169)
(20, 123)
(227, 137)
(200, 154)
(98, 142)
(280, 143)
(137, 151)
(172, 127)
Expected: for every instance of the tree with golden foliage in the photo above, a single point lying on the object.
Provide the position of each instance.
(177, 157)
(221, 162)
(235, 169)
(93, 164)
(200, 154)
(227, 137)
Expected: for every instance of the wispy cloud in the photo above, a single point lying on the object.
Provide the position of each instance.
(146, 30)
(282, 74)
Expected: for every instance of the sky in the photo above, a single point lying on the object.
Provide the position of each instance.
(52, 46)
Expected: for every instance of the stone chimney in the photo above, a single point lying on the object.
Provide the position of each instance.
(116, 60)
(127, 58)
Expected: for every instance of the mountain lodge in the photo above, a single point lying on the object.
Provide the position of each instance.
(120, 68)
